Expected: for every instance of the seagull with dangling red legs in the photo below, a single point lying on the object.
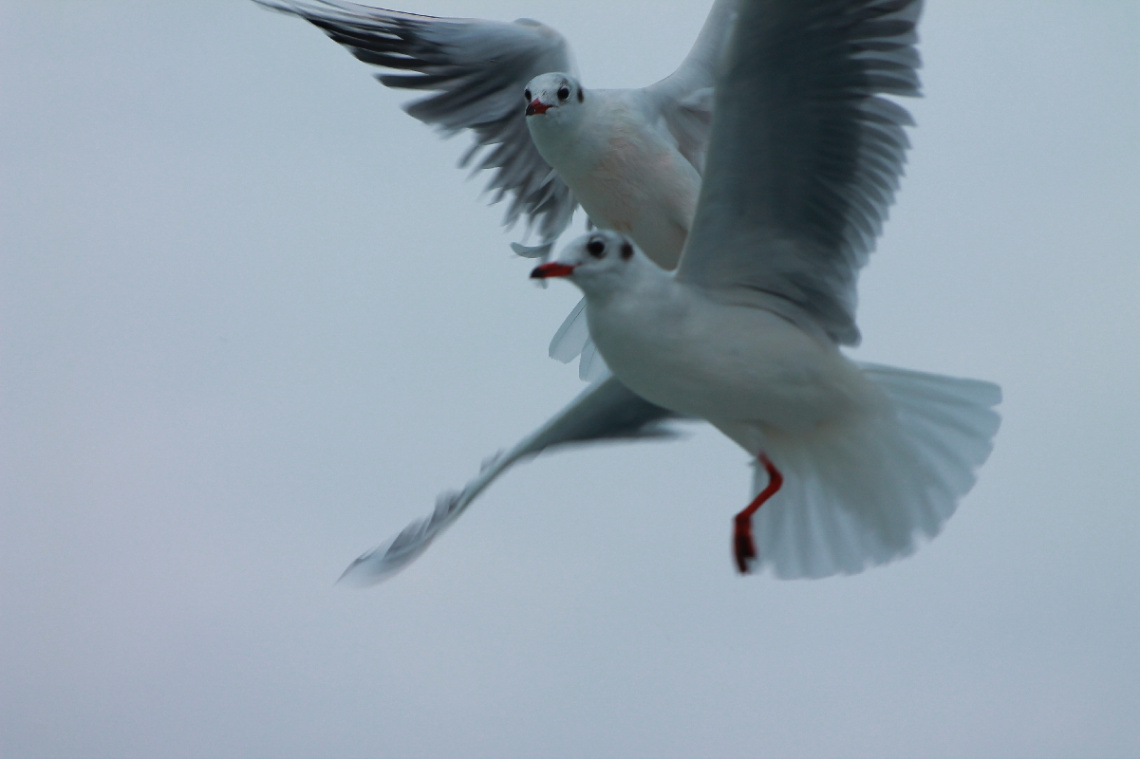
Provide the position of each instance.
(855, 463)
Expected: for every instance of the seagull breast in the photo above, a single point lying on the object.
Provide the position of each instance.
(624, 169)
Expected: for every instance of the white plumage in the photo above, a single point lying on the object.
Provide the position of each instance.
(871, 458)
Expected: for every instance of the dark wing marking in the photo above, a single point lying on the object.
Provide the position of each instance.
(477, 71)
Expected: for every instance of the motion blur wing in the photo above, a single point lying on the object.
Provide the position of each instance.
(477, 71)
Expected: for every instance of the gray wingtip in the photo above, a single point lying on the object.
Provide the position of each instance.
(387, 559)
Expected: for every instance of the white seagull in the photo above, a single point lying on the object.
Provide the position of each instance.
(631, 157)
(855, 462)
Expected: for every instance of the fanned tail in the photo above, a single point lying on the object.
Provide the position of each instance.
(865, 494)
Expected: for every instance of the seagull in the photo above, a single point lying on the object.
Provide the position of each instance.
(631, 157)
(855, 463)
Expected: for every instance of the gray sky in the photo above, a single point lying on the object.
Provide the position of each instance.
(252, 320)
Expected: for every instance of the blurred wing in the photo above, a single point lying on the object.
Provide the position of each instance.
(607, 410)
(685, 97)
(805, 155)
(477, 71)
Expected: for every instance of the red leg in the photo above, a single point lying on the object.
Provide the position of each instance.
(744, 548)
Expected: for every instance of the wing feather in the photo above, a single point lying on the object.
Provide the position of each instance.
(606, 411)
(805, 154)
(685, 97)
(477, 71)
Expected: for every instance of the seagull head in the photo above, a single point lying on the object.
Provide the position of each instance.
(550, 92)
(598, 261)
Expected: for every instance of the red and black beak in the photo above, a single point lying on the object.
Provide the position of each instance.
(536, 106)
(550, 270)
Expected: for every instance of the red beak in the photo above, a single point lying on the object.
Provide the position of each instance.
(546, 271)
(536, 106)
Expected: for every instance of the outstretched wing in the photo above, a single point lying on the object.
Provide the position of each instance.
(805, 155)
(607, 410)
(477, 70)
(685, 97)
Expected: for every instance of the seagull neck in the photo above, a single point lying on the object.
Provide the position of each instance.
(644, 284)
(562, 137)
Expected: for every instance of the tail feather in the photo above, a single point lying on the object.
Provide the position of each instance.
(865, 493)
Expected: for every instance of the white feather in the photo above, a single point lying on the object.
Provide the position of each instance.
(571, 338)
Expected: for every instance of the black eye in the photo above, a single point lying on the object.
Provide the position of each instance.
(596, 248)
(526, 94)
(563, 92)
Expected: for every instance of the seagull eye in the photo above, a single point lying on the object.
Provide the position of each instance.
(526, 94)
(596, 248)
(563, 92)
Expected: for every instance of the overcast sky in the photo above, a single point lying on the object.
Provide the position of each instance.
(252, 321)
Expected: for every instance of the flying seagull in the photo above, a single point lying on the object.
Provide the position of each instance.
(855, 463)
(631, 157)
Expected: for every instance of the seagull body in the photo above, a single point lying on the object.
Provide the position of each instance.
(748, 371)
(855, 463)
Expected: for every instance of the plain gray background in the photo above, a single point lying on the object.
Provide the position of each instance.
(252, 320)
